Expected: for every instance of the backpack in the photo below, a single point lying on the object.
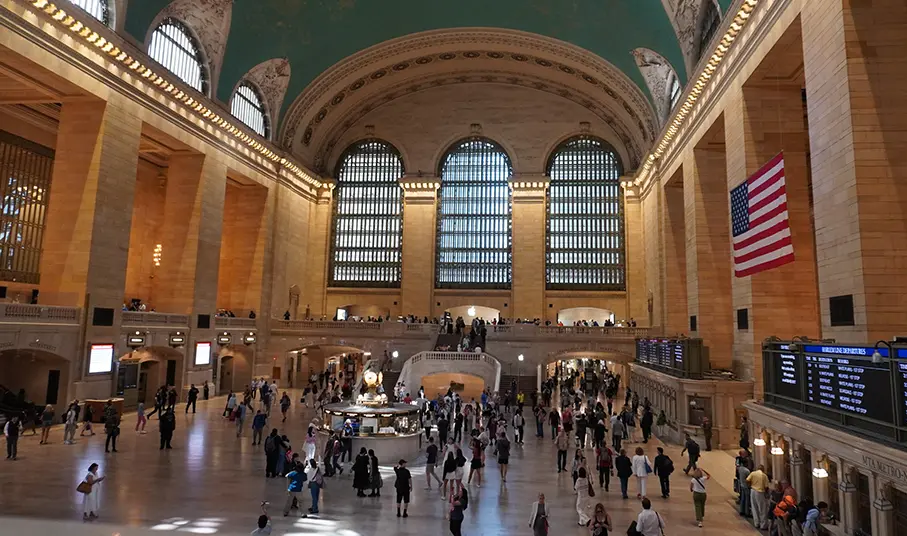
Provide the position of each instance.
(694, 448)
(606, 458)
(269, 444)
(669, 466)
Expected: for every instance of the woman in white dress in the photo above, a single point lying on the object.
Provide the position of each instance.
(582, 497)
(90, 502)
(641, 469)
(310, 439)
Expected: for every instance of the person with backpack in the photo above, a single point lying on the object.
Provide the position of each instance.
(617, 432)
(404, 486)
(272, 451)
(624, 467)
(296, 481)
(691, 447)
(664, 466)
(604, 460)
(316, 484)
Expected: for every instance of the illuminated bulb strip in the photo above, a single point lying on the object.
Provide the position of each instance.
(92, 37)
(683, 111)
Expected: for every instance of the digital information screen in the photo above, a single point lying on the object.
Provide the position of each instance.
(901, 385)
(856, 386)
(100, 358)
(202, 353)
(787, 374)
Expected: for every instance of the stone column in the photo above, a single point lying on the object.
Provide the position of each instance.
(89, 216)
(797, 471)
(420, 211)
(191, 236)
(854, 69)
(708, 251)
(821, 488)
(242, 252)
(848, 496)
(529, 246)
(635, 266)
(674, 267)
(314, 293)
(779, 468)
(882, 509)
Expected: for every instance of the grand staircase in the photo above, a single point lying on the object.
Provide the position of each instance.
(525, 383)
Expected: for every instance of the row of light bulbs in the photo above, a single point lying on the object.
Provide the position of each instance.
(696, 90)
(90, 36)
(818, 472)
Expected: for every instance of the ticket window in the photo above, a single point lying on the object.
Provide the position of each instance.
(699, 408)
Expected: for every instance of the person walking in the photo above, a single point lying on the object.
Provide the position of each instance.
(241, 411)
(476, 463)
(167, 425)
(361, 479)
(191, 398)
(562, 442)
(538, 517)
(47, 420)
(229, 407)
(624, 467)
(90, 495)
(554, 419)
(646, 423)
(158, 403)
(140, 419)
(758, 483)
(272, 451)
(648, 522)
(579, 462)
(811, 525)
(697, 486)
(457, 506)
(403, 484)
(600, 523)
(69, 429)
(296, 479)
(311, 437)
(284, 405)
(604, 460)
(503, 450)
(691, 447)
(171, 398)
(86, 421)
(584, 491)
(518, 425)
(206, 390)
(641, 469)
(743, 489)
(663, 468)
(111, 426)
(259, 421)
(316, 482)
(617, 432)
(431, 454)
(707, 433)
(12, 429)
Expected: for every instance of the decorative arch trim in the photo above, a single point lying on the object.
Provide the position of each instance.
(271, 78)
(659, 75)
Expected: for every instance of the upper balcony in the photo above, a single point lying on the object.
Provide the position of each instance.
(135, 319)
(353, 329)
(21, 313)
(531, 332)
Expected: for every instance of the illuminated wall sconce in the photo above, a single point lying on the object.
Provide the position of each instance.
(224, 339)
(156, 256)
(135, 339)
(249, 338)
(177, 339)
(759, 442)
(777, 451)
(819, 472)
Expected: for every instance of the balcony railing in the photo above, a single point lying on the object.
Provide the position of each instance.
(366, 329)
(532, 331)
(38, 314)
(137, 319)
(233, 322)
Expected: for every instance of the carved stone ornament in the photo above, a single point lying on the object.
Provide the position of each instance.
(272, 78)
(658, 74)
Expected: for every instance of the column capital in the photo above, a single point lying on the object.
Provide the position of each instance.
(529, 186)
(419, 186)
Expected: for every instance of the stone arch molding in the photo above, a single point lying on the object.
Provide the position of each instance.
(377, 75)
(271, 77)
(685, 17)
(658, 74)
(210, 22)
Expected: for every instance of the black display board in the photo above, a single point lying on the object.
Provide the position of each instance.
(679, 357)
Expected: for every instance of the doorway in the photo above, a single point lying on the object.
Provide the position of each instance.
(275, 373)
(171, 372)
(53, 386)
(226, 375)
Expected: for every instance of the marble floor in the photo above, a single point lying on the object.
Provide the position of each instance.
(213, 482)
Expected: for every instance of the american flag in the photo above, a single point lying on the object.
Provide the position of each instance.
(760, 223)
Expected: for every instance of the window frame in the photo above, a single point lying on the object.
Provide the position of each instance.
(198, 54)
(453, 149)
(333, 263)
(709, 23)
(104, 7)
(550, 266)
(261, 106)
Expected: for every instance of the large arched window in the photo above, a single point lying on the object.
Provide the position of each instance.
(99, 9)
(248, 106)
(709, 21)
(474, 217)
(585, 217)
(368, 217)
(173, 46)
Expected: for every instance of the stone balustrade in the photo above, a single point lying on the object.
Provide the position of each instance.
(233, 322)
(38, 314)
(531, 331)
(150, 320)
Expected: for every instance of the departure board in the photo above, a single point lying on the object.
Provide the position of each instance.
(680, 357)
(787, 376)
(852, 385)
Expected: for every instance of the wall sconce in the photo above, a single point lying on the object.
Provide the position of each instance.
(819, 472)
(224, 339)
(777, 451)
(759, 442)
(177, 339)
(158, 253)
(249, 338)
(135, 339)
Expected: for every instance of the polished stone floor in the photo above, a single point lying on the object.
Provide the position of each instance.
(213, 481)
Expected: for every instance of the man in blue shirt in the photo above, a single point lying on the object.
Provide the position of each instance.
(258, 425)
(811, 526)
(296, 482)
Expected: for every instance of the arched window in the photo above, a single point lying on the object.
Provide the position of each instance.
(710, 19)
(248, 107)
(99, 9)
(368, 217)
(474, 217)
(173, 46)
(585, 217)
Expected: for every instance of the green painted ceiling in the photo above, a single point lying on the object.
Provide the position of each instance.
(316, 34)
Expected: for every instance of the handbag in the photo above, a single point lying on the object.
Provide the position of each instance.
(648, 468)
(84, 487)
(591, 489)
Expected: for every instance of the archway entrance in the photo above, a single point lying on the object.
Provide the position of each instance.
(44, 376)
(331, 359)
(234, 365)
(361, 312)
(145, 370)
(467, 385)
(470, 312)
(591, 316)
(585, 364)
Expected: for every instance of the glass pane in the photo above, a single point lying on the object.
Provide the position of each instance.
(247, 106)
(173, 47)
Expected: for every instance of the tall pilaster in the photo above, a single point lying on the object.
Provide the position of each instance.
(634, 245)
(420, 197)
(529, 245)
(674, 265)
(314, 293)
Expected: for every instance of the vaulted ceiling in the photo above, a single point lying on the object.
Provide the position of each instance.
(295, 44)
